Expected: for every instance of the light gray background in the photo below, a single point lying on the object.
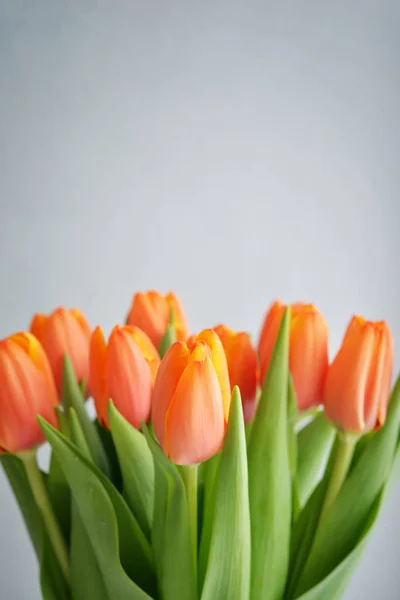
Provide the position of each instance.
(234, 152)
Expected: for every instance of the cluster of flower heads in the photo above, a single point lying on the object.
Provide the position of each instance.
(187, 393)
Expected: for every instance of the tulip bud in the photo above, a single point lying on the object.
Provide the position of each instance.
(151, 312)
(357, 386)
(308, 350)
(64, 332)
(191, 399)
(27, 389)
(123, 370)
(242, 366)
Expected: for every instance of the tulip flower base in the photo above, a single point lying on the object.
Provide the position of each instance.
(193, 481)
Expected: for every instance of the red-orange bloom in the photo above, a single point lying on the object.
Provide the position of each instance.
(308, 350)
(242, 365)
(357, 387)
(123, 370)
(191, 399)
(151, 311)
(64, 332)
(27, 389)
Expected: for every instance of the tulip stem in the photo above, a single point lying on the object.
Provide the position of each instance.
(343, 454)
(190, 474)
(42, 499)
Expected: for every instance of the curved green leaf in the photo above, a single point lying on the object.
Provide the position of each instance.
(269, 478)
(343, 524)
(334, 585)
(171, 534)
(72, 398)
(228, 569)
(16, 475)
(314, 443)
(120, 547)
(137, 468)
(169, 336)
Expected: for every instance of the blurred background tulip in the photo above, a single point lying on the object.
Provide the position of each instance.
(191, 399)
(27, 389)
(357, 387)
(151, 312)
(123, 370)
(308, 350)
(242, 365)
(65, 331)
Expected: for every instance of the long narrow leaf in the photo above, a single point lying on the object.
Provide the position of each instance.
(269, 478)
(228, 570)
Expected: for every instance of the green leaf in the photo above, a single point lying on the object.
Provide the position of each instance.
(169, 336)
(109, 447)
(269, 478)
(137, 468)
(77, 435)
(120, 547)
(86, 577)
(314, 443)
(292, 437)
(52, 582)
(171, 534)
(16, 475)
(340, 530)
(334, 585)
(72, 398)
(228, 570)
(209, 474)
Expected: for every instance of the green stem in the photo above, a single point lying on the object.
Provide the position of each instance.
(190, 475)
(40, 494)
(344, 450)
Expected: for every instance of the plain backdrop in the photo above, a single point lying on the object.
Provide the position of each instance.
(235, 152)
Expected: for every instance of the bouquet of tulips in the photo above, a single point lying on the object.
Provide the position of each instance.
(212, 470)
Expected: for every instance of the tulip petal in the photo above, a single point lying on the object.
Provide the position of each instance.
(386, 377)
(82, 322)
(33, 348)
(147, 347)
(24, 393)
(220, 364)
(128, 378)
(243, 371)
(38, 325)
(150, 313)
(308, 357)
(344, 390)
(376, 389)
(195, 423)
(97, 381)
(169, 373)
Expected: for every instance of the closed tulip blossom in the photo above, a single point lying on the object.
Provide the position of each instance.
(27, 389)
(357, 387)
(124, 370)
(191, 399)
(242, 366)
(308, 350)
(151, 312)
(64, 332)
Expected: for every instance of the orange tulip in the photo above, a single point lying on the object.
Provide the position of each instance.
(151, 311)
(123, 370)
(27, 389)
(357, 386)
(64, 332)
(308, 350)
(242, 365)
(191, 399)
